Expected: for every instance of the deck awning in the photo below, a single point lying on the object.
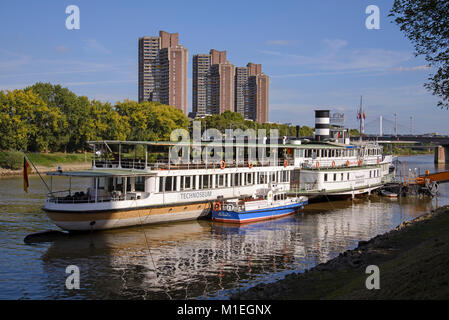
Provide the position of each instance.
(101, 173)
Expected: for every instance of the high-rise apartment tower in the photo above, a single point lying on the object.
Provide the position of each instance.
(163, 70)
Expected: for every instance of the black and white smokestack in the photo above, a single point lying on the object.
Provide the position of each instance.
(322, 125)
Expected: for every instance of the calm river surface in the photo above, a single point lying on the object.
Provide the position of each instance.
(197, 259)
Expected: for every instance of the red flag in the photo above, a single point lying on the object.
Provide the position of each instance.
(26, 172)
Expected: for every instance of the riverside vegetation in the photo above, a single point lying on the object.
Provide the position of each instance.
(52, 119)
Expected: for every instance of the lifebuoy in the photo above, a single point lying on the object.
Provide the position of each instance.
(347, 163)
(222, 164)
(250, 164)
(378, 160)
(360, 162)
(217, 206)
(317, 164)
(333, 164)
(285, 163)
(420, 180)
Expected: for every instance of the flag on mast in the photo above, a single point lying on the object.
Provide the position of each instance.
(26, 172)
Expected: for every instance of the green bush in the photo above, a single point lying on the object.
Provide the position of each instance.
(11, 160)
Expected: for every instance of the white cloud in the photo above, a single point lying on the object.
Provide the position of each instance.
(93, 46)
(61, 49)
(277, 42)
(337, 56)
(417, 68)
(335, 44)
(11, 60)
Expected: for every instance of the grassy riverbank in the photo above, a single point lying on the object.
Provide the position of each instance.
(410, 152)
(11, 162)
(413, 261)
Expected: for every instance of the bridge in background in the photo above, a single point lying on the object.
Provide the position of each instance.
(438, 142)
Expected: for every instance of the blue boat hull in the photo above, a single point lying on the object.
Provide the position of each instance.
(256, 215)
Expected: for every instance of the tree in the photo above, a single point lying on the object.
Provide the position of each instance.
(74, 108)
(150, 121)
(26, 122)
(426, 24)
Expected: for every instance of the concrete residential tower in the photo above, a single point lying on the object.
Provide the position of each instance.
(213, 83)
(252, 92)
(163, 70)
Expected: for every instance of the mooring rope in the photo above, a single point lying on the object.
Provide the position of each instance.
(152, 260)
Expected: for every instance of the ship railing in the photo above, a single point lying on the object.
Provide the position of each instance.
(164, 165)
(125, 164)
(308, 186)
(67, 197)
(304, 186)
(326, 163)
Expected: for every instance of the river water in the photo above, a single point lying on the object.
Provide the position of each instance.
(197, 259)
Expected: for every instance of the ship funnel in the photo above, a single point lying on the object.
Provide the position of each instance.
(322, 125)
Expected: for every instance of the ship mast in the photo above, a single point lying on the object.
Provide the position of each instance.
(361, 117)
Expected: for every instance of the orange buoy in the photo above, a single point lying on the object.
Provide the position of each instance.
(317, 164)
(333, 164)
(285, 163)
(420, 180)
(347, 163)
(222, 164)
(250, 164)
(360, 162)
(378, 160)
(217, 206)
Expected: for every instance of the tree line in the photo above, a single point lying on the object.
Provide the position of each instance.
(47, 117)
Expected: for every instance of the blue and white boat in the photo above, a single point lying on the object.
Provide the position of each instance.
(265, 204)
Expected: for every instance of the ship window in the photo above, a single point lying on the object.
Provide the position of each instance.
(335, 177)
(161, 184)
(348, 176)
(110, 184)
(140, 184)
(206, 181)
(220, 180)
(273, 177)
(236, 179)
(168, 183)
(250, 178)
(101, 182)
(342, 177)
(325, 177)
(261, 177)
(187, 182)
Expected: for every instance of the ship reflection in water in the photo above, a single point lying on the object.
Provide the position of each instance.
(211, 260)
(197, 259)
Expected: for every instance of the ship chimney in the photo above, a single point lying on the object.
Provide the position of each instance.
(322, 125)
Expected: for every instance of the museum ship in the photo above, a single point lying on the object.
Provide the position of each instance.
(135, 183)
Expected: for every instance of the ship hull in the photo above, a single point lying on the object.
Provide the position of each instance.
(256, 215)
(111, 219)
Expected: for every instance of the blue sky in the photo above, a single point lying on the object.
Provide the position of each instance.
(318, 54)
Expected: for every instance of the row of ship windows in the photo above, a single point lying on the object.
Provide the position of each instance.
(332, 153)
(334, 176)
(207, 181)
